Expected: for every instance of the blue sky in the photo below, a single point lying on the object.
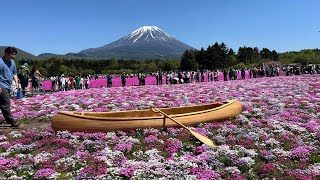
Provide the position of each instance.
(63, 26)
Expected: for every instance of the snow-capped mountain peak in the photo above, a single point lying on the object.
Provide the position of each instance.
(147, 42)
(148, 33)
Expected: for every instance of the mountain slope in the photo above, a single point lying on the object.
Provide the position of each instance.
(20, 55)
(147, 42)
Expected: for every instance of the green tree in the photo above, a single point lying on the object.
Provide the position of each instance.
(223, 56)
(256, 55)
(265, 53)
(274, 55)
(214, 56)
(63, 69)
(231, 59)
(201, 58)
(188, 60)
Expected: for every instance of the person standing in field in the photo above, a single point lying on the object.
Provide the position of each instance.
(8, 72)
(36, 80)
(123, 79)
(77, 79)
(23, 75)
(109, 80)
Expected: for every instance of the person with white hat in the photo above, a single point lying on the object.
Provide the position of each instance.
(24, 75)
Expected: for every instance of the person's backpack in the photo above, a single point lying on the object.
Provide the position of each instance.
(23, 73)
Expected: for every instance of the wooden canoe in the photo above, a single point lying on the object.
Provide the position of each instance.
(128, 120)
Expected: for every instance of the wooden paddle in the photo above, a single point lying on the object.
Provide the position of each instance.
(202, 138)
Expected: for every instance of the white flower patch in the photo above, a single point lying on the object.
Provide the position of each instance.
(221, 139)
(272, 142)
(247, 160)
(138, 153)
(233, 170)
(10, 172)
(42, 157)
(106, 155)
(74, 140)
(242, 118)
(3, 137)
(15, 177)
(225, 150)
(24, 156)
(15, 134)
(152, 155)
(4, 143)
(63, 134)
(152, 152)
(314, 169)
(281, 152)
(250, 152)
(90, 142)
(125, 104)
(131, 139)
(181, 163)
(225, 130)
(277, 125)
(114, 171)
(313, 115)
(245, 113)
(296, 128)
(242, 98)
(111, 107)
(22, 147)
(256, 110)
(282, 105)
(68, 161)
(54, 175)
(26, 168)
(109, 135)
(273, 100)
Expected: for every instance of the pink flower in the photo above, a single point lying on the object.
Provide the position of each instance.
(151, 139)
(172, 146)
(44, 173)
(204, 174)
(124, 147)
(302, 151)
(128, 171)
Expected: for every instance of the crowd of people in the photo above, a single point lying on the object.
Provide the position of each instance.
(65, 83)
(62, 83)
(298, 69)
(31, 81)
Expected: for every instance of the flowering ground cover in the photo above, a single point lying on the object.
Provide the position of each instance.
(276, 136)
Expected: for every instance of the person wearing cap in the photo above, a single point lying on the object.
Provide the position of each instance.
(24, 75)
(8, 72)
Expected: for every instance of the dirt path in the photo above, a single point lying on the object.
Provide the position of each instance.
(5, 128)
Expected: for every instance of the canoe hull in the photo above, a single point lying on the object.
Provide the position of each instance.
(128, 120)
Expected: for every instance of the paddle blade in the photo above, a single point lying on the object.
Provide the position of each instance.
(203, 139)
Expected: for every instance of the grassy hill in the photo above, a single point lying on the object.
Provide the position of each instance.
(21, 54)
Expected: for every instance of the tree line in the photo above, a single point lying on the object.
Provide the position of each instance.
(219, 56)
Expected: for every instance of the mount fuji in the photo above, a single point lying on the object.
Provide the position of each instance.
(147, 42)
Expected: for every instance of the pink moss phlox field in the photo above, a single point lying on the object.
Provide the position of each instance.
(275, 137)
